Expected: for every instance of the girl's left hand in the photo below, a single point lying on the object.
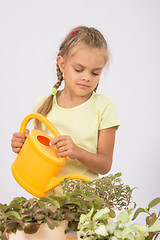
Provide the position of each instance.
(65, 146)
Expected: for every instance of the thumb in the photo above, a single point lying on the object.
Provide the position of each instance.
(26, 133)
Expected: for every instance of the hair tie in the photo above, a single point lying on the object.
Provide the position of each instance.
(54, 91)
(74, 32)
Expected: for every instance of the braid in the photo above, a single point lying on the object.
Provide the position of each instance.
(96, 88)
(59, 76)
(45, 108)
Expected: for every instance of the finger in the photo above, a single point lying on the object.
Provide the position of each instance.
(62, 149)
(19, 135)
(16, 145)
(16, 150)
(53, 142)
(20, 140)
(61, 144)
(63, 154)
(56, 140)
(26, 132)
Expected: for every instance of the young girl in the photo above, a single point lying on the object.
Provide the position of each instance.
(86, 120)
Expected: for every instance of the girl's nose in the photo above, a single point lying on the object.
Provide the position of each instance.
(86, 78)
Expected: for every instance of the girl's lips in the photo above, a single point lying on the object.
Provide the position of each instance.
(83, 85)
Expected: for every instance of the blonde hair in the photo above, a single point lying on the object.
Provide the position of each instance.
(88, 36)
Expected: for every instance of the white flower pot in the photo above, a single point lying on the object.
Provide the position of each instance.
(43, 233)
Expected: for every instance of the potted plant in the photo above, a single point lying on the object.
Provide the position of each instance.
(29, 216)
(98, 225)
(79, 197)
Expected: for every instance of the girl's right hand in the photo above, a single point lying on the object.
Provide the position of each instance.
(18, 140)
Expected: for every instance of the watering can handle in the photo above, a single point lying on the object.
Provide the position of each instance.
(41, 118)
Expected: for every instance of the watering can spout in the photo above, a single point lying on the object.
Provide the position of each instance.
(54, 182)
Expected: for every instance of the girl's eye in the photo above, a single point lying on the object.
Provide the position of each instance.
(95, 74)
(78, 70)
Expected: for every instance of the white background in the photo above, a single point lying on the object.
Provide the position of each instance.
(30, 34)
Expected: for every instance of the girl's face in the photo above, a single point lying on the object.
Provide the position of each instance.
(82, 70)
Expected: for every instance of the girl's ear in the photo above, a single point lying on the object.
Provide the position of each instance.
(60, 61)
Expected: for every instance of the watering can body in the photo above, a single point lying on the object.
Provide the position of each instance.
(37, 164)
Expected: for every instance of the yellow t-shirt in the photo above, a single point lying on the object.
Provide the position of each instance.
(82, 123)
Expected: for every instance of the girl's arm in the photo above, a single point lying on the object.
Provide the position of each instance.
(100, 162)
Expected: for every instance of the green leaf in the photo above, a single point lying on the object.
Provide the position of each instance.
(111, 227)
(41, 204)
(12, 215)
(155, 227)
(55, 203)
(15, 206)
(138, 211)
(44, 199)
(112, 213)
(2, 215)
(84, 218)
(18, 200)
(101, 214)
(124, 217)
(49, 201)
(117, 233)
(101, 230)
(118, 175)
(154, 202)
(27, 218)
(128, 232)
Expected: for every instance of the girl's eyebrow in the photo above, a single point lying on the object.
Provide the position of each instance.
(80, 65)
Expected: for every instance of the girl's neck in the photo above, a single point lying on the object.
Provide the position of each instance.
(66, 100)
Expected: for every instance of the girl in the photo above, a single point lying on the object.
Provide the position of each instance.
(86, 120)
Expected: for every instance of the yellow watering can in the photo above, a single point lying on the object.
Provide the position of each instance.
(37, 164)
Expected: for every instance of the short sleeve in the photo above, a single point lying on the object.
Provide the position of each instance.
(109, 116)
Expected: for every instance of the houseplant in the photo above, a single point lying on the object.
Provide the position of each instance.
(27, 215)
(78, 198)
(97, 225)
